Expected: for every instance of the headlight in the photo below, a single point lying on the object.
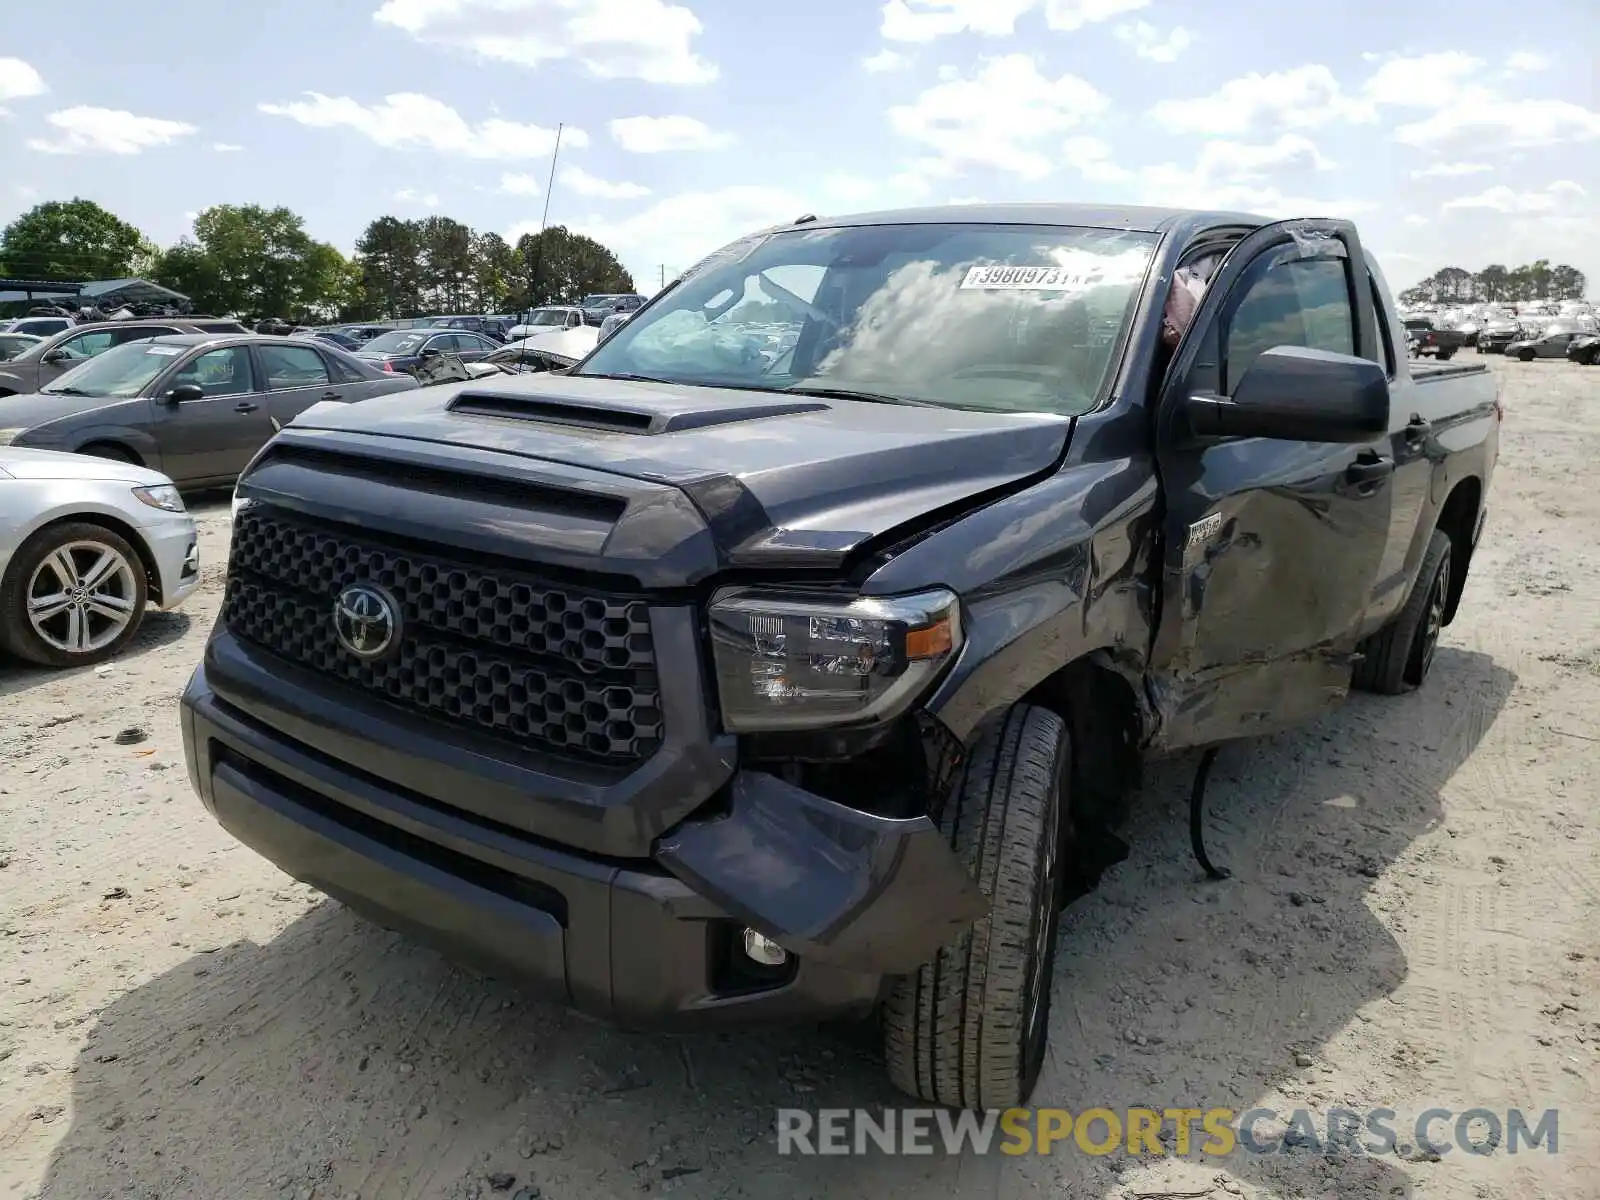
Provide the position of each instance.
(786, 660)
(7, 436)
(163, 496)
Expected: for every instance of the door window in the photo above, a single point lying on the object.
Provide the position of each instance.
(224, 372)
(1297, 302)
(87, 345)
(292, 367)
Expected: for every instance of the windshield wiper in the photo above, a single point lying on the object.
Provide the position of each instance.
(66, 391)
(623, 375)
(828, 393)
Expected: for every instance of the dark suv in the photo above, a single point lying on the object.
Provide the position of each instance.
(38, 365)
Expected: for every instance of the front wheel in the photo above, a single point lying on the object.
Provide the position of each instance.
(1526, 355)
(1398, 657)
(969, 1029)
(73, 596)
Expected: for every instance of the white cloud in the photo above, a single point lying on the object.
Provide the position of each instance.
(1067, 15)
(1415, 219)
(658, 135)
(1527, 62)
(1451, 170)
(1479, 114)
(840, 192)
(1422, 81)
(226, 148)
(997, 118)
(87, 130)
(678, 231)
(1564, 194)
(19, 81)
(652, 40)
(1091, 158)
(885, 60)
(1248, 177)
(413, 197)
(576, 179)
(407, 120)
(1299, 98)
(1148, 42)
(926, 20)
(520, 185)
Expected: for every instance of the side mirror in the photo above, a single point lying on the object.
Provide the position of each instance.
(429, 352)
(186, 391)
(1294, 394)
(55, 356)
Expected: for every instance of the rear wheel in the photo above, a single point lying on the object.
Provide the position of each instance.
(74, 595)
(1398, 657)
(969, 1028)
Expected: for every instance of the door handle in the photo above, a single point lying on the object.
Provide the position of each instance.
(245, 406)
(1369, 471)
(333, 395)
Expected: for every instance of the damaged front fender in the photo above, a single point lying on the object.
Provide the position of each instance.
(825, 881)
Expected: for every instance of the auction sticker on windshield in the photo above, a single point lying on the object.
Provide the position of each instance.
(165, 351)
(1029, 279)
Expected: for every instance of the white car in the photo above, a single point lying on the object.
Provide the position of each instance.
(546, 320)
(86, 545)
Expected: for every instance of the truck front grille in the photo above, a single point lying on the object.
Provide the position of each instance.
(556, 667)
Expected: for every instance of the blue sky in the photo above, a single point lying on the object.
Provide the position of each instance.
(1458, 140)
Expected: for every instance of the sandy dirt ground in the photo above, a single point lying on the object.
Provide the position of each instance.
(1414, 922)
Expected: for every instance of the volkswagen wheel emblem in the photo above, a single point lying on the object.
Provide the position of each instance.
(366, 620)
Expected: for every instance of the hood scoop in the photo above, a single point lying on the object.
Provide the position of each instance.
(610, 417)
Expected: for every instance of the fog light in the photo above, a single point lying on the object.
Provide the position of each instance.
(762, 949)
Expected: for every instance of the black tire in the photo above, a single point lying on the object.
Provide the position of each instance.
(17, 633)
(969, 1029)
(1399, 656)
(112, 451)
(1525, 355)
(1445, 355)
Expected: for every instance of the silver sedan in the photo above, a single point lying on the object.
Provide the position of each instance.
(86, 545)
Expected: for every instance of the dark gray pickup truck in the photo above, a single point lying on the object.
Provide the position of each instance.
(714, 682)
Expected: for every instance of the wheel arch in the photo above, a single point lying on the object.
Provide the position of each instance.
(122, 529)
(1458, 520)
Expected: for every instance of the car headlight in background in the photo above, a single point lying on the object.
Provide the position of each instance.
(7, 436)
(788, 660)
(163, 496)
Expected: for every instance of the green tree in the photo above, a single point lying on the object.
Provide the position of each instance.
(390, 256)
(70, 239)
(560, 267)
(255, 262)
(1567, 283)
(447, 264)
(494, 266)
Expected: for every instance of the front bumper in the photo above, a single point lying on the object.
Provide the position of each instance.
(645, 942)
(175, 549)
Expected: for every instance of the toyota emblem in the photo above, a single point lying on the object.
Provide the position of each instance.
(366, 620)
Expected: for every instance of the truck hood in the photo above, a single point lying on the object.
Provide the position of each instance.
(777, 476)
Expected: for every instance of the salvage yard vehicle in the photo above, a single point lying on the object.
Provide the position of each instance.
(699, 685)
(196, 406)
(1584, 349)
(405, 350)
(1552, 343)
(56, 355)
(1435, 340)
(86, 546)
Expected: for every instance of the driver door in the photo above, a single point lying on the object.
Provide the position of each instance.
(1271, 547)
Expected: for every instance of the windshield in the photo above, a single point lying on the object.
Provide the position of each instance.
(999, 317)
(399, 342)
(548, 316)
(121, 371)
